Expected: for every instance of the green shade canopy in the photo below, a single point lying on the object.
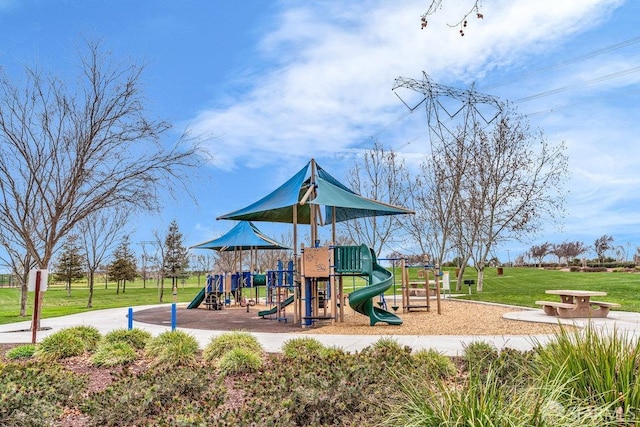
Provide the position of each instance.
(243, 236)
(278, 206)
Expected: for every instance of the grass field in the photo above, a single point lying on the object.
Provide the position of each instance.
(517, 286)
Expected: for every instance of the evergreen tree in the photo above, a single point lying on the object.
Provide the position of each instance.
(123, 266)
(176, 260)
(70, 263)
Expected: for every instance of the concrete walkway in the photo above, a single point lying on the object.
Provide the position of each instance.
(451, 345)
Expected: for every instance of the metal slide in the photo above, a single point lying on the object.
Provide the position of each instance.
(380, 279)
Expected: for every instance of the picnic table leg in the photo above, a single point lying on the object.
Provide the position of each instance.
(567, 299)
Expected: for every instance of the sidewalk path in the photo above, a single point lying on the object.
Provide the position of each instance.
(451, 345)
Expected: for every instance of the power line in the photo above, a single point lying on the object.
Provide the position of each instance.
(584, 57)
(586, 83)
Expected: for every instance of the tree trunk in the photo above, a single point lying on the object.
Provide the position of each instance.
(24, 293)
(480, 279)
(91, 279)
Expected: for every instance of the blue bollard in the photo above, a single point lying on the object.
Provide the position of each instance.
(173, 316)
(130, 318)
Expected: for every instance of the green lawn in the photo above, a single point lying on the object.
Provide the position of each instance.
(517, 286)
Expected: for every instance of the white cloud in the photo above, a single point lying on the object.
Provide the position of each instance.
(331, 67)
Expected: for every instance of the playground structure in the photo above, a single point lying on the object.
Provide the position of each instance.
(317, 293)
(425, 287)
(302, 199)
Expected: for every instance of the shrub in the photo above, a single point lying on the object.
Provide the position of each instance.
(156, 396)
(25, 351)
(136, 338)
(479, 354)
(239, 361)
(34, 394)
(433, 364)
(89, 335)
(221, 344)
(60, 345)
(303, 346)
(173, 347)
(110, 354)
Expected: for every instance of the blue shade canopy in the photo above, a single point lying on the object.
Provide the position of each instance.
(242, 236)
(278, 206)
(350, 205)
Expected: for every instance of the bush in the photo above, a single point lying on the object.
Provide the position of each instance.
(109, 354)
(89, 335)
(173, 347)
(239, 361)
(221, 344)
(479, 355)
(25, 351)
(34, 394)
(303, 346)
(157, 397)
(60, 345)
(433, 364)
(136, 338)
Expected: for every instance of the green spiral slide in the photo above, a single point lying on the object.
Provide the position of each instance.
(380, 279)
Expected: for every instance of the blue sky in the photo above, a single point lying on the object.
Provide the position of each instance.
(271, 84)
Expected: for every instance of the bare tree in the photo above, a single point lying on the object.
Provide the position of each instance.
(20, 262)
(70, 150)
(202, 263)
(161, 251)
(538, 252)
(435, 194)
(602, 245)
(380, 175)
(99, 234)
(574, 249)
(514, 181)
(227, 261)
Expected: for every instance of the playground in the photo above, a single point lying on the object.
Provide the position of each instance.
(310, 291)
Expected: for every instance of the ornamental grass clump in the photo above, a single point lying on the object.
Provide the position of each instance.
(478, 356)
(24, 351)
(433, 364)
(239, 361)
(109, 354)
(218, 346)
(302, 347)
(89, 335)
(484, 400)
(172, 347)
(60, 345)
(136, 338)
(601, 367)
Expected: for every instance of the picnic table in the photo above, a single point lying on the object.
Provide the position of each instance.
(576, 303)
